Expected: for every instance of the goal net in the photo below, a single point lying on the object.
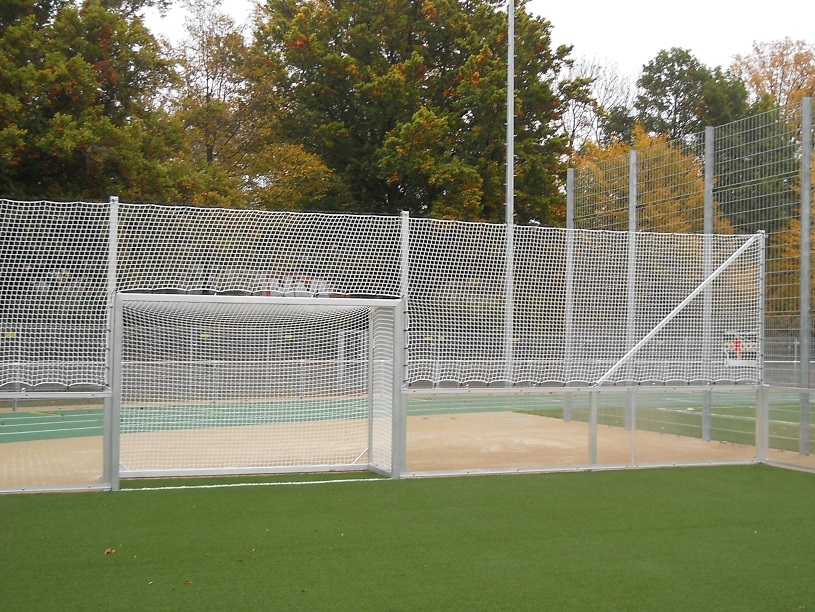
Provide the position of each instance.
(218, 385)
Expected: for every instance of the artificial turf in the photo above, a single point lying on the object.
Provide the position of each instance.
(711, 538)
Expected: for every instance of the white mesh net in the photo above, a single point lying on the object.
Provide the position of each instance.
(612, 312)
(257, 252)
(232, 386)
(53, 300)
(581, 299)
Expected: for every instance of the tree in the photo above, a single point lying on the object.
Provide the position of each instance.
(596, 118)
(679, 96)
(404, 101)
(43, 11)
(782, 70)
(79, 85)
(783, 277)
(616, 124)
(230, 105)
(209, 101)
(670, 185)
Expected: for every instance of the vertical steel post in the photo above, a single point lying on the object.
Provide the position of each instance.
(404, 234)
(509, 292)
(399, 414)
(112, 423)
(762, 423)
(568, 335)
(631, 300)
(401, 340)
(110, 426)
(806, 254)
(404, 289)
(707, 353)
(371, 384)
(593, 399)
(762, 392)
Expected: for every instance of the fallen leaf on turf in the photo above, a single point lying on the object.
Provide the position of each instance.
(110, 551)
(188, 581)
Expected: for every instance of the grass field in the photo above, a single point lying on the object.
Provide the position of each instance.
(724, 538)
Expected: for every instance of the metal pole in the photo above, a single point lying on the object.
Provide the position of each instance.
(112, 420)
(762, 392)
(404, 289)
(509, 320)
(593, 399)
(399, 416)
(405, 255)
(806, 254)
(568, 336)
(110, 438)
(631, 310)
(707, 353)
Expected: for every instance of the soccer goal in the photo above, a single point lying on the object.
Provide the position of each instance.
(222, 385)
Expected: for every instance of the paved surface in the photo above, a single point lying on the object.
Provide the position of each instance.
(469, 442)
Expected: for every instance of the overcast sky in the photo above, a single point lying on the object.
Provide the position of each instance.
(629, 33)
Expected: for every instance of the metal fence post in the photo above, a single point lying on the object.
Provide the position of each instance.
(404, 290)
(593, 400)
(707, 355)
(806, 250)
(631, 311)
(762, 392)
(568, 336)
(509, 305)
(110, 441)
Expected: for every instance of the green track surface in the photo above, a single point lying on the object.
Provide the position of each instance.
(723, 538)
(679, 413)
(49, 425)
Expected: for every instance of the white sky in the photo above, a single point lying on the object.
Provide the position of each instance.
(629, 33)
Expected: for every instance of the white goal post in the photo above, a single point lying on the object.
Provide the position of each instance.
(226, 385)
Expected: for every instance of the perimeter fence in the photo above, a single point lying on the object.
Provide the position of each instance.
(576, 311)
(654, 295)
(591, 310)
(755, 174)
(751, 175)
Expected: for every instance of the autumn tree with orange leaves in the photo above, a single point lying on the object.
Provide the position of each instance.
(780, 72)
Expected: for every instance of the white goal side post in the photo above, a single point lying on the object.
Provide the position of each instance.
(207, 385)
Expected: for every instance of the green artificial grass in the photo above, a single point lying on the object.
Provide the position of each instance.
(724, 538)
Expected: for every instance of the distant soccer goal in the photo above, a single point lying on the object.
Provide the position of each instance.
(219, 385)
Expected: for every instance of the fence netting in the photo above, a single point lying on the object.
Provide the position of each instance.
(581, 299)
(753, 172)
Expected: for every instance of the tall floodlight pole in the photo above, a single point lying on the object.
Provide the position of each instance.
(509, 306)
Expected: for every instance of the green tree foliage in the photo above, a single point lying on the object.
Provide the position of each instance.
(679, 96)
(43, 11)
(405, 101)
(617, 124)
(229, 106)
(757, 169)
(209, 101)
(78, 85)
